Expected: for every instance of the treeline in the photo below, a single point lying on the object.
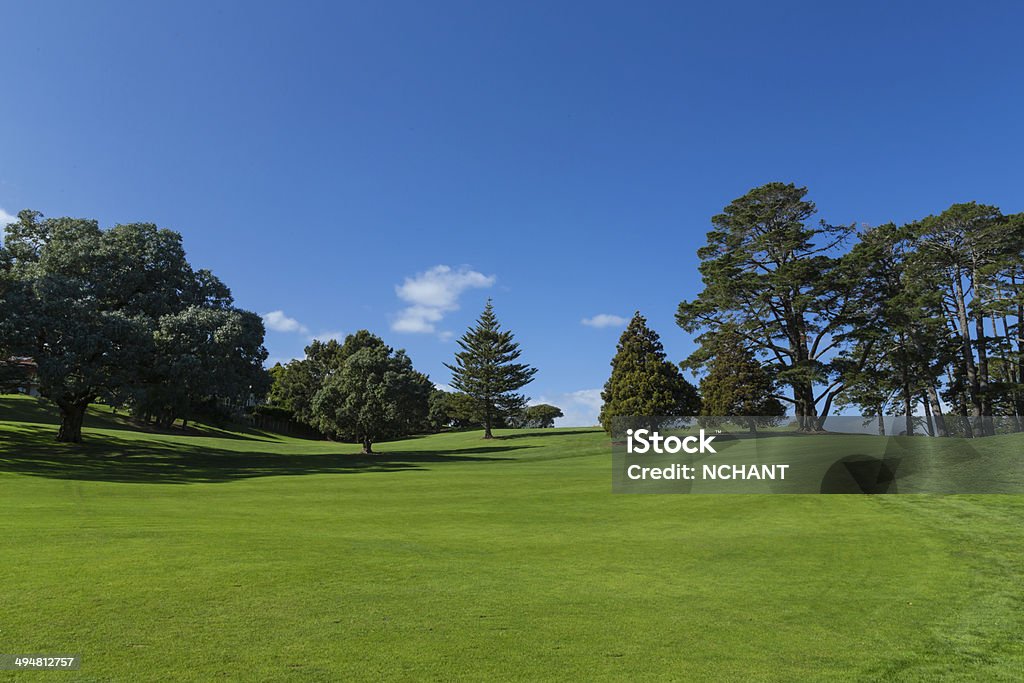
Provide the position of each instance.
(119, 315)
(894, 319)
(363, 390)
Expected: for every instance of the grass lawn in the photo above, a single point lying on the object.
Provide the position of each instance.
(249, 556)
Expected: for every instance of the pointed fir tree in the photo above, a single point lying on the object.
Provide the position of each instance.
(486, 371)
(643, 382)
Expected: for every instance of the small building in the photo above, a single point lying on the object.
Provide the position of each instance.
(19, 375)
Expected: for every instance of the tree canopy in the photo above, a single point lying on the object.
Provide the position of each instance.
(643, 382)
(104, 313)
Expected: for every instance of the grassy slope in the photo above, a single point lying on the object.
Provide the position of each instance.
(254, 557)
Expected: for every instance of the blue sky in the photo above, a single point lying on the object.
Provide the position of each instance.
(390, 165)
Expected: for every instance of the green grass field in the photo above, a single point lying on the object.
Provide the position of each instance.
(248, 556)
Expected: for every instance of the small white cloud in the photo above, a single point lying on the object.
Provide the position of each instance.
(6, 218)
(337, 336)
(433, 293)
(417, 319)
(605, 320)
(444, 387)
(279, 322)
(445, 335)
(590, 398)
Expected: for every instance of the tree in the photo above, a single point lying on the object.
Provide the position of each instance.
(736, 385)
(967, 252)
(486, 370)
(464, 411)
(896, 338)
(643, 382)
(770, 275)
(541, 415)
(295, 384)
(88, 304)
(203, 353)
(373, 394)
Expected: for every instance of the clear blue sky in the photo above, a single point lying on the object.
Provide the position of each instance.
(562, 158)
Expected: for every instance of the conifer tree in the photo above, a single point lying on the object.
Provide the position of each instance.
(486, 370)
(643, 382)
(736, 385)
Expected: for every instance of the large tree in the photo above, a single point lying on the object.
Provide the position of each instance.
(373, 393)
(897, 346)
(202, 353)
(970, 253)
(643, 382)
(485, 369)
(88, 305)
(769, 273)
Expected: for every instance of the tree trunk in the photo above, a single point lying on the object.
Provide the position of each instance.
(936, 410)
(984, 396)
(803, 395)
(881, 422)
(929, 423)
(72, 415)
(488, 420)
(970, 369)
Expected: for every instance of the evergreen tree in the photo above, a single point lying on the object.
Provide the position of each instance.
(736, 385)
(769, 271)
(643, 382)
(486, 370)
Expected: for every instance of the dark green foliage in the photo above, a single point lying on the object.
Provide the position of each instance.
(120, 315)
(542, 415)
(770, 275)
(361, 390)
(486, 371)
(295, 384)
(736, 384)
(200, 353)
(372, 394)
(643, 382)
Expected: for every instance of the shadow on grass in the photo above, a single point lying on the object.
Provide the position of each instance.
(32, 451)
(42, 412)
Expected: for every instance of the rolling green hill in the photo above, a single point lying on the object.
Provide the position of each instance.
(251, 556)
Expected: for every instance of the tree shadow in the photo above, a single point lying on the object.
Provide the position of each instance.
(99, 416)
(32, 451)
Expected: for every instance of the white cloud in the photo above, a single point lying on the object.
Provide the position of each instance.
(605, 320)
(337, 336)
(579, 408)
(6, 218)
(279, 322)
(444, 387)
(432, 294)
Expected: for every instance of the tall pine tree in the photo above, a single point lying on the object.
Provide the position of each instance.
(643, 381)
(486, 371)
